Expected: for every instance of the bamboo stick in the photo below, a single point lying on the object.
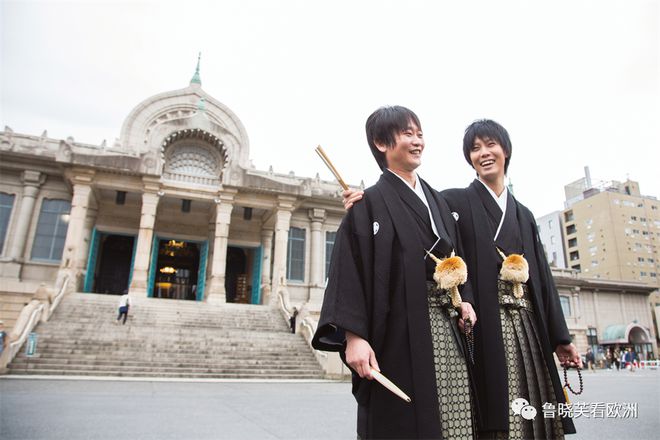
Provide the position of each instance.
(389, 385)
(326, 160)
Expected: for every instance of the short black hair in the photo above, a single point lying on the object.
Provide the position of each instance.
(384, 124)
(487, 129)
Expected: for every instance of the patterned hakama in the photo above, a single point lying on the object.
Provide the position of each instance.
(528, 375)
(451, 372)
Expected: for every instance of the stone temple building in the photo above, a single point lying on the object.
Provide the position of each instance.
(172, 209)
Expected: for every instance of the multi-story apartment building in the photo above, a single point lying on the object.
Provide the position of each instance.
(609, 232)
(613, 233)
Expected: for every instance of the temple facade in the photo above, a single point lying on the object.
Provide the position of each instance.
(172, 209)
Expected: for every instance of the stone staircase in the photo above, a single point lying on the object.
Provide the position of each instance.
(167, 338)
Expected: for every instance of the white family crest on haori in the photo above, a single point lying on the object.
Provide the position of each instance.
(455, 214)
(376, 228)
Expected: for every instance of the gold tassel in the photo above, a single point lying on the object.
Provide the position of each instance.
(455, 295)
(518, 290)
(449, 274)
(516, 270)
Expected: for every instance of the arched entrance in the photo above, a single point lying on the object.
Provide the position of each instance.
(243, 275)
(632, 336)
(638, 335)
(110, 262)
(178, 269)
(236, 275)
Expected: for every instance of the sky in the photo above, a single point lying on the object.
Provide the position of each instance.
(576, 83)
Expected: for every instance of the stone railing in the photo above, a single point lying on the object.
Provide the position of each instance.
(39, 309)
(330, 362)
(283, 301)
(307, 329)
(58, 297)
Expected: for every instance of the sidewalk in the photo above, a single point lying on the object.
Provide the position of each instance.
(129, 409)
(108, 408)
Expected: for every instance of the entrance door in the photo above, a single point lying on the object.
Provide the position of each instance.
(112, 274)
(236, 276)
(243, 275)
(176, 269)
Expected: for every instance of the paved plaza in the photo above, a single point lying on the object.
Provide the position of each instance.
(127, 409)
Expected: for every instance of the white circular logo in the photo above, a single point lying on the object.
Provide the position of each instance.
(518, 404)
(455, 214)
(376, 228)
(528, 412)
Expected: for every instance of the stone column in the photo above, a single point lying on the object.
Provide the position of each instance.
(317, 216)
(622, 306)
(266, 262)
(224, 205)
(282, 224)
(83, 253)
(74, 235)
(596, 308)
(32, 180)
(144, 244)
(576, 303)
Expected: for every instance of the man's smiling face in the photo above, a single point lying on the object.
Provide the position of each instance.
(406, 153)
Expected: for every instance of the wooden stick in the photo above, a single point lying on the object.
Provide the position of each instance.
(389, 385)
(326, 160)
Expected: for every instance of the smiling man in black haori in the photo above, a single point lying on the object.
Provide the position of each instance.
(381, 309)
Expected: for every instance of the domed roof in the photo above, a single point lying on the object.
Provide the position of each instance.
(153, 120)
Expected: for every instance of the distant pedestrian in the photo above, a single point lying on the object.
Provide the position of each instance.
(624, 355)
(590, 359)
(616, 357)
(124, 305)
(292, 320)
(634, 359)
(608, 358)
(630, 359)
(4, 338)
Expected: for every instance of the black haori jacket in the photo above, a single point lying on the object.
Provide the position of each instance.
(519, 230)
(377, 290)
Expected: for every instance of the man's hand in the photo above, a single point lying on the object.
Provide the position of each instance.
(465, 312)
(568, 356)
(360, 356)
(350, 197)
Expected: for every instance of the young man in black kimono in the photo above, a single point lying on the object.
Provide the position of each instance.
(515, 337)
(381, 309)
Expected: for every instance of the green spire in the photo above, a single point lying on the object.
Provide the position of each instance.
(196, 79)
